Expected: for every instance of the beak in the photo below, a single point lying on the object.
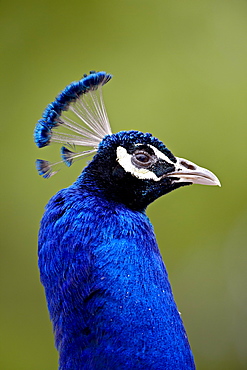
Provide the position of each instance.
(187, 171)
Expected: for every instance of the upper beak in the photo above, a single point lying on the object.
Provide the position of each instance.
(187, 171)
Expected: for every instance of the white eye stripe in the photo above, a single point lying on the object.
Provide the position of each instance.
(160, 155)
(124, 159)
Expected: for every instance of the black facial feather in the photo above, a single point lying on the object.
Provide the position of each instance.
(119, 185)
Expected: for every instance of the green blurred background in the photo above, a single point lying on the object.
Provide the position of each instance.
(180, 71)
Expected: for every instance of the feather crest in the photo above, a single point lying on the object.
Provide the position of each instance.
(79, 110)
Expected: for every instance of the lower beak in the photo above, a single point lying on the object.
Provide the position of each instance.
(186, 171)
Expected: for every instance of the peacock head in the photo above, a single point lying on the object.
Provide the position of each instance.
(135, 168)
(130, 167)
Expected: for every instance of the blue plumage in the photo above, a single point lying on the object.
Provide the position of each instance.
(107, 289)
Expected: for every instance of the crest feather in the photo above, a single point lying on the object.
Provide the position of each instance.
(76, 117)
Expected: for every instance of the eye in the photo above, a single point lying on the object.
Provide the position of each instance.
(140, 158)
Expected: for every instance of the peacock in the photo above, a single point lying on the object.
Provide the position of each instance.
(106, 285)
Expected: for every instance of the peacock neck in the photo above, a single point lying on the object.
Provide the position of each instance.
(109, 298)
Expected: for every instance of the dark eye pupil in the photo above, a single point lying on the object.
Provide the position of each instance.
(142, 157)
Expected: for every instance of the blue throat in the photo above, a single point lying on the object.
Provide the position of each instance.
(106, 285)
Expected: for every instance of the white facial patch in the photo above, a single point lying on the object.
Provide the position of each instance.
(160, 155)
(124, 159)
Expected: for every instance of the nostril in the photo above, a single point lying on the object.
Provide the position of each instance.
(188, 165)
